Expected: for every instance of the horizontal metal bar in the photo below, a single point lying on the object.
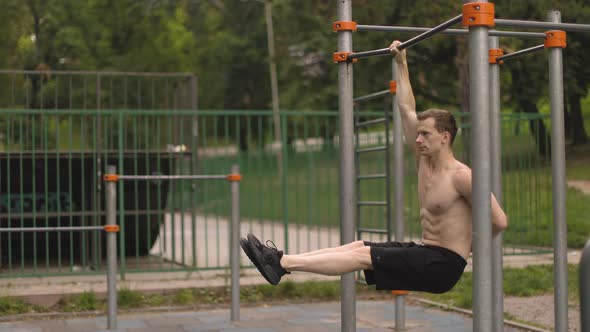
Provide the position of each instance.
(43, 214)
(373, 95)
(372, 230)
(97, 73)
(162, 154)
(370, 122)
(172, 177)
(542, 25)
(68, 214)
(521, 52)
(378, 148)
(410, 42)
(441, 27)
(50, 229)
(379, 52)
(455, 32)
(517, 34)
(372, 203)
(371, 176)
(403, 29)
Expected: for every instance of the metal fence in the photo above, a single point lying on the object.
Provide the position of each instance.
(52, 159)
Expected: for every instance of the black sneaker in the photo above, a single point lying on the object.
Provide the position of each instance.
(250, 253)
(267, 259)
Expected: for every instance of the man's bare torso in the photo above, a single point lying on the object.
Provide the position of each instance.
(444, 214)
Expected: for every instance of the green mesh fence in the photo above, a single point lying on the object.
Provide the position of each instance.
(53, 152)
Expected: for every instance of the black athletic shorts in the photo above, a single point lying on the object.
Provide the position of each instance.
(413, 267)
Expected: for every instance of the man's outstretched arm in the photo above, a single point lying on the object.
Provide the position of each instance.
(405, 96)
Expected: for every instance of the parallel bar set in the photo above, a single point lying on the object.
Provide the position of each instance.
(484, 87)
(111, 227)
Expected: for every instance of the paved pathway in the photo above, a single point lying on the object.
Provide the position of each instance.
(371, 316)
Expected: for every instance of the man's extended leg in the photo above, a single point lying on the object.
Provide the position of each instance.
(271, 262)
(330, 263)
(343, 248)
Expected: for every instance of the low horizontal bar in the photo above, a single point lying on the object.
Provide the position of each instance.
(373, 95)
(370, 122)
(372, 230)
(379, 148)
(542, 25)
(410, 42)
(372, 203)
(172, 177)
(456, 32)
(521, 52)
(43, 214)
(371, 176)
(51, 229)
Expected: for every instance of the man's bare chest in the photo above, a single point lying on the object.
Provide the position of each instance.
(437, 194)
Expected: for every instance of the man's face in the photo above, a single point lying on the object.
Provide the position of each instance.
(429, 140)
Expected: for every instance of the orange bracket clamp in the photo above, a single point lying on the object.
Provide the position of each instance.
(555, 39)
(234, 177)
(344, 26)
(478, 14)
(392, 87)
(399, 292)
(342, 57)
(495, 53)
(111, 177)
(111, 228)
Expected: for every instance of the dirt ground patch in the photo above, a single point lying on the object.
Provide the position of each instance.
(539, 310)
(581, 185)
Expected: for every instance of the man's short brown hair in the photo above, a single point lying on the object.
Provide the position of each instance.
(443, 121)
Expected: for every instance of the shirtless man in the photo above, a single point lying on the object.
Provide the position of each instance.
(444, 192)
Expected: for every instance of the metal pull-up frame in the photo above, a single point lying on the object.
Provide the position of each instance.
(479, 18)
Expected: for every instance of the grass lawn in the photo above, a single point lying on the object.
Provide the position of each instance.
(530, 281)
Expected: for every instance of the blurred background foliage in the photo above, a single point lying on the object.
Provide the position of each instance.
(224, 43)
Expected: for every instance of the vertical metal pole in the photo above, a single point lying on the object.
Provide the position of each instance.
(195, 125)
(585, 288)
(480, 152)
(558, 178)
(398, 175)
(233, 247)
(96, 239)
(274, 86)
(496, 157)
(111, 206)
(347, 171)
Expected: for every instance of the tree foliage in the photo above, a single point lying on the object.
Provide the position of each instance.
(224, 43)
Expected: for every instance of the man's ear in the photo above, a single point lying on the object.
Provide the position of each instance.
(446, 137)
